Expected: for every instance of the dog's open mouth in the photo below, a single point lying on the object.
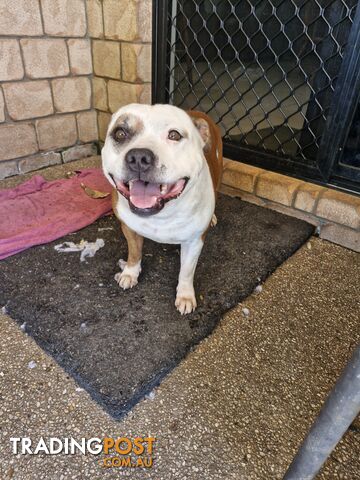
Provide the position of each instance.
(147, 198)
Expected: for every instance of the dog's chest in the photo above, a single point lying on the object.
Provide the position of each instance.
(179, 227)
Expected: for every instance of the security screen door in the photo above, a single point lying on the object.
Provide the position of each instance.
(281, 78)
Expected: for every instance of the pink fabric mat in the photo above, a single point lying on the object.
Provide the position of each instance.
(38, 211)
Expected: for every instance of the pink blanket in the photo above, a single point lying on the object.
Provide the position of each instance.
(38, 211)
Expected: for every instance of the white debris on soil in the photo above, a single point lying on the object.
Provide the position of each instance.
(87, 249)
(245, 311)
(4, 310)
(101, 229)
(122, 264)
(258, 289)
(32, 364)
(79, 389)
(23, 327)
(150, 395)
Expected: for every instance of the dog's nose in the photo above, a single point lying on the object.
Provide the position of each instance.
(140, 159)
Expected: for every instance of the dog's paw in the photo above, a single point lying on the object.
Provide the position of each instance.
(213, 220)
(185, 303)
(125, 280)
(128, 278)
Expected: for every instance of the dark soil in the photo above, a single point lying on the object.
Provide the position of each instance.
(119, 344)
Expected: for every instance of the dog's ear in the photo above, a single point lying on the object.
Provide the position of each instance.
(204, 129)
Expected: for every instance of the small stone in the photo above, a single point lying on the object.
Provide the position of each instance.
(246, 312)
(32, 364)
(258, 289)
(23, 327)
(151, 395)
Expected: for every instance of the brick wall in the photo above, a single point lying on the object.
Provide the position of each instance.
(46, 112)
(121, 48)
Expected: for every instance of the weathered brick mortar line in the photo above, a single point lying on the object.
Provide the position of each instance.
(41, 18)
(317, 200)
(45, 36)
(139, 82)
(256, 180)
(30, 79)
(103, 18)
(296, 191)
(68, 55)
(110, 40)
(56, 113)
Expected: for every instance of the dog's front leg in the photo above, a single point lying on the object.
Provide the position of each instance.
(185, 295)
(131, 269)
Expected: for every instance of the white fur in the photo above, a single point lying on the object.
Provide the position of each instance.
(182, 220)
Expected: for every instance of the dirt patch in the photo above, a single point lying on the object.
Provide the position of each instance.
(119, 344)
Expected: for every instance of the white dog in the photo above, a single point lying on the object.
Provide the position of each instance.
(166, 166)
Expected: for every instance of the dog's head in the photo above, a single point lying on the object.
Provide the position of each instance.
(153, 154)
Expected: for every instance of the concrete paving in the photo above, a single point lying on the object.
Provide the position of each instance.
(236, 408)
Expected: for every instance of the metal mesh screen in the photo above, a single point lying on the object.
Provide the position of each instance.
(265, 71)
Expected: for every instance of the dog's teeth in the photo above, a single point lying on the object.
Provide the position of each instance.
(163, 189)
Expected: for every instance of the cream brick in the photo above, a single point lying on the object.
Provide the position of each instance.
(100, 94)
(2, 107)
(80, 56)
(17, 140)
(340, 208)
(79, 151)
(120, 19)
(20, 17)
(8, 169)
(136, 62)
(71, 94)
(95, 18)
(106, 57)
(103, 122)
(145, 95)
(277, 188)
(128, 19)
(64, 18)
(28, 99)
(121, 94)
(87, 126)
(11, 67)
(56, 132)
(45, 57)
(341, 235)
(39, 161)
(241, 176)
(144, 20)
(306, 196)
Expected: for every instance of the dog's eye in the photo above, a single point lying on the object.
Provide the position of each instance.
(120, 134)
(174, 135)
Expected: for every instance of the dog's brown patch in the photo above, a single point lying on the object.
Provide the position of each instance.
(213, 149)
(134, 241)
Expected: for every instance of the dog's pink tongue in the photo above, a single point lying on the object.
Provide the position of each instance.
(144, 195)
